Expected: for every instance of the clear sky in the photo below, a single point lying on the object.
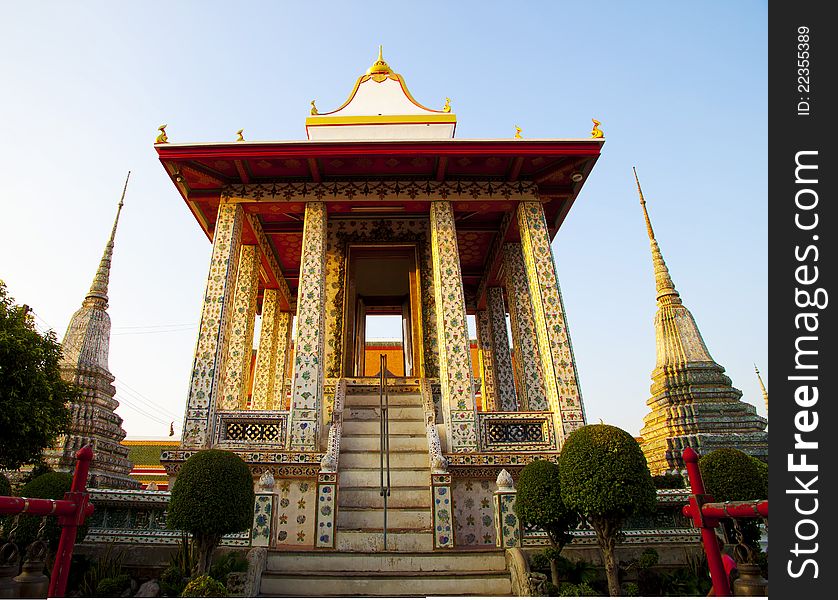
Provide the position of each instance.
(680, 89)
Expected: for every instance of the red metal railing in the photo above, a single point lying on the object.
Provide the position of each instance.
(71, 513)
(706, 515)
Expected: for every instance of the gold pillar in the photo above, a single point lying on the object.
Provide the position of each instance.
(204, 384)
(452, 333)
(240, 343)
(529, 375)
(307, 381)
(558, 365)
(269, 375)
(504, 373)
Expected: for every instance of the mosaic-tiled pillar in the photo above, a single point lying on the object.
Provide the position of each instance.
(240, 341)
(326, 510)
(559, 367)
(269, 374)
(307, 381)
(452, 333)
(485, 353)
(507, 526)
(504, 374)
(443, 508)
(263, 511)
(529, 375)
(208, 366)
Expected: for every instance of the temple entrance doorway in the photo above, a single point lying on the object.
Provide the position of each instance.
(382, 280)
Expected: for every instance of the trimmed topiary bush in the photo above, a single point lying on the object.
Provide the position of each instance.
(670, 481)
(539, 502)
(212, 496)
(731, 475)
(204, 586)
(49, 485)
(113, 587)
(605, 478)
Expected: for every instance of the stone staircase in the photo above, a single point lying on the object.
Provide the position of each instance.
(359, 565)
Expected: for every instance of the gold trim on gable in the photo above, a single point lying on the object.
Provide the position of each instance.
(380, 119)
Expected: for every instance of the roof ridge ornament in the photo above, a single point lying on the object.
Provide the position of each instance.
(380, 69)
(596, 132)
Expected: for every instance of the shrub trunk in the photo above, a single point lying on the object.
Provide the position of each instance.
(606, 535)
(205, 544)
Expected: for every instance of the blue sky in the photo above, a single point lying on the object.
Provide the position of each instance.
(680, 90)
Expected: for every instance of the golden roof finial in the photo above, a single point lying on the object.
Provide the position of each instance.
(379, 69)
(762, 387)
(596, 132)
(663, 281)
(447, 107)
(162, 138)
(313, 108)
(518, 135)
(239, 136)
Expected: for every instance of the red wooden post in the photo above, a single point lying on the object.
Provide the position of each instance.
(721, 586)
(70, 523)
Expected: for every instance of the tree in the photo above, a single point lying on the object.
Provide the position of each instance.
(33, 397)
(730, 475)
(212, 496)
(539, 502)
(605, 478)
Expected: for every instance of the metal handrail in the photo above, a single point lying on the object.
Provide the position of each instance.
(384, 441)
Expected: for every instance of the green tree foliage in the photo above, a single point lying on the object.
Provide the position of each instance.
(49, 485)
(212, 496)
(732, 475)
(605, 478)
(539, 502)
(5, 486)
(33, 397)
(670, 481)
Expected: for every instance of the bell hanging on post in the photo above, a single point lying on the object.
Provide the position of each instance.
(33, 582)
(9, 564)
(750, 581)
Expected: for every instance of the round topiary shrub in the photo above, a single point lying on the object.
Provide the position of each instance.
(113, 587)
(204, 586)
(49, 485)
(604, 477)
(731, 475)
(539, 502)
(670, 481)
(212, 496)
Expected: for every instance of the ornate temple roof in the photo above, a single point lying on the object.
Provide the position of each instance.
(381, 107)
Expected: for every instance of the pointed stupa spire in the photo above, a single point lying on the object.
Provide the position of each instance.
(99, 287)
(762, 387)
(663, 281)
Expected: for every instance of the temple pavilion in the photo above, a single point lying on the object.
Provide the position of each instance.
(382, 211)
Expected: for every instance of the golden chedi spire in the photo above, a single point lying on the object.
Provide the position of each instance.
(693, 402)
(762, 387)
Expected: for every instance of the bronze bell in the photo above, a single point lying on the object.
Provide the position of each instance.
(33, 582)
(750, 581)
(9, 562)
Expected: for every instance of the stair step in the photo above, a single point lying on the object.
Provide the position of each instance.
(369, 460)
(409, 477)
(373, 413)
(371, 442)
(415, 427)
(397, 583)
(467, 560)
(367, 497)
(397, 518)
(372, 540)
(373, 400)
